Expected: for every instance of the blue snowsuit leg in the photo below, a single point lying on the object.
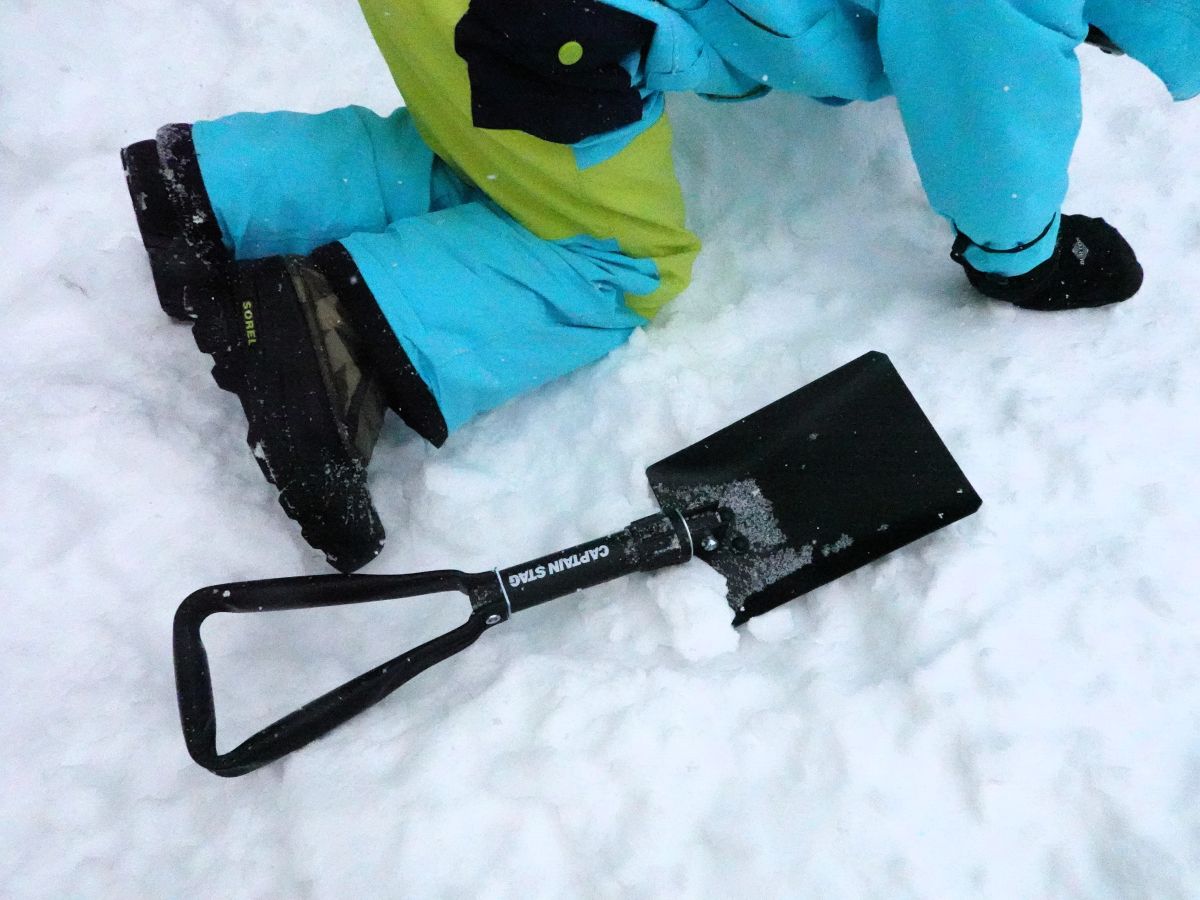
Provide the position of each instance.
(990, 95)
(483, 309)
(1164, 36)
(989, 91)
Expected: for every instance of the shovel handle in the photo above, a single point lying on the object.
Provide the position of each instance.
(193, 681)
(645, 545)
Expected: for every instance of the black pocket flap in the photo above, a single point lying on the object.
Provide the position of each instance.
(551, 68)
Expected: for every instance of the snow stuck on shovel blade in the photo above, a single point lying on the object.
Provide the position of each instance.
(756, 554)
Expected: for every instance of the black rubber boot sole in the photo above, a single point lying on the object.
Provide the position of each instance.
(259, 339)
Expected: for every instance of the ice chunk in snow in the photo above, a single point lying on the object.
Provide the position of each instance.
(692, 598)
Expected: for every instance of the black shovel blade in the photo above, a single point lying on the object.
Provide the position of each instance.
(819, 483)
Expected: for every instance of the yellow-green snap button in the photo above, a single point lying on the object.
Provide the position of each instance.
(570, 53)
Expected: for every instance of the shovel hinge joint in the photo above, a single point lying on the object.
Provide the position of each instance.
(661, 540)
(489, 599)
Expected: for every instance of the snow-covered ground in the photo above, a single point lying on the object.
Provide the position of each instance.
(1008, 709)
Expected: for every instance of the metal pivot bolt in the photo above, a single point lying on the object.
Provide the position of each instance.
(709, 544)
(494, 619)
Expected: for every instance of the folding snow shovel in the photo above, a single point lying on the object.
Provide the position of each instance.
(829, 478)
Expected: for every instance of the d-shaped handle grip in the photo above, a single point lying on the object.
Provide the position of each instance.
(193, 682)
(647, 544)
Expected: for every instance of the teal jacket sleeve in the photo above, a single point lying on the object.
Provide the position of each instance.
(989, 91)
(679, 58)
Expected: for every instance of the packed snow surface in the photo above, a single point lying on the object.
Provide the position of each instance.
(1007, 709)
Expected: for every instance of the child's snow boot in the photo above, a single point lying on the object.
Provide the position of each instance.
(188, 259)
(1092, 265)
(281, 342)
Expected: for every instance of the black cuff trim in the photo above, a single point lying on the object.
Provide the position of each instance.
(177, 153)
(962, 242)
(406, 393)
(152, 205)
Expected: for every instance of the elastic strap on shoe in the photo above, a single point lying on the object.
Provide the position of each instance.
(1006, 262)
(962, 243)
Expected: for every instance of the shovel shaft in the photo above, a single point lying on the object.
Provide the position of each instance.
(660, 540)
(647, 544)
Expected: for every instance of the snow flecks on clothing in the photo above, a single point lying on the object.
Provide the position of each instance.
(1006, 709)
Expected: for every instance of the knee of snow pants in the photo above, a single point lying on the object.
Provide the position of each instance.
(1163, 35)
(617, 184)
(990, 96)
(481, 308)
(485, 310)
(286, 182)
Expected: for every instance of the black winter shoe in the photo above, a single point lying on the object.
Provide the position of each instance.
(1092, 265)
(280, 341)
(188, 259)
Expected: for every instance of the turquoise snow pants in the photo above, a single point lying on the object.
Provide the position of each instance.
(989, 91)
(483, 309)
(1164, 35)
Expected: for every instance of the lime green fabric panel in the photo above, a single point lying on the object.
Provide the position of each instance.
(633, 198)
